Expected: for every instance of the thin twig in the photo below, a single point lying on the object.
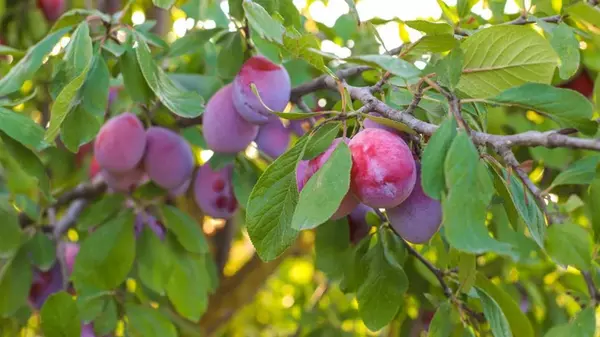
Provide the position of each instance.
(524, 21)
(589, 281)
(314, 301)
(70, 217)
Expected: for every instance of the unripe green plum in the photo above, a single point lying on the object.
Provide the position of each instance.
(224, 129)
(383, 168)
(272, 82)
(419, 217)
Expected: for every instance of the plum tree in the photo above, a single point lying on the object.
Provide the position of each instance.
(52, 9)
(120, 143)
(223, 128)
(273, 137)
(349, 202)
(419, 217)
(45, 283)
(272, 83)
(168, 160)
(383, 168)
(213, 191)
(123, 182)
(357, 220)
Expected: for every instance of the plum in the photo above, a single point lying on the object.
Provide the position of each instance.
(349, 202)
(224, 129)
(298, 127)
(87, 330)
(123, 182)
(94, 168)
(272, 82)
(213, 191)
(45, 283)
(143, 219)
(273, 138)
(181, 189)
(300, 173)
(121, 143)
(383, 168)
(371, 124)
(357, 220)
(419, 217)
(52, 9)
(82, 152)
(169, 160)
(70, 251)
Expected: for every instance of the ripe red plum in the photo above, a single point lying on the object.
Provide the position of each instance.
(120, 144)
(213, 191)
(169, 160)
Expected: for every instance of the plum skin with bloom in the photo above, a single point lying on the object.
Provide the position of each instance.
(383, 168)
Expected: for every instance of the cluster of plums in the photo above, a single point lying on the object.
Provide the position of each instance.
(127, 155)
(384, 175)
(234, 117)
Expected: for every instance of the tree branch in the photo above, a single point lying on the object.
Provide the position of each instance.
(524, 21)
(589, 281)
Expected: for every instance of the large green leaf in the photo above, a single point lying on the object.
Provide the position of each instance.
(10, 231)
(106, 256)
(564, 42)
(29, 64)
(181, 102)
(381, 294)
(581, 172)
(21, 128)
(394, 65)
(332, 247)
(502, 57)
(584, 12)
(272, 203)
(42, 250)
(494, 315)
(164, 4)
(325, 190)
(448, 69)
(192, 41)
(434, 155)
(262, 23)
(185, 228)
(570, 244)
(15, 281)
(135, 84)
(79, 127)
(100, 211)
(59, 316)
(306, 47)
(470, 191)
(154, 261)
(567, 107)
(96, 87)
(147, 322)
(444, 321)
(231, 56)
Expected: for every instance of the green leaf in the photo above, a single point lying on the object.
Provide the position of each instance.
(231, 56)
(154, 261)
(584, 324)
(78, 62)
(206, 86)
(262, 23)
(147, 322)
(448, 70)
(41, 248)
(430, 28)
(100, 211)
(332, 248)
(15, 281)
(243, 179)
(76, 16)
(394, 65)
(434, 44)
(294, 116)
(186, 229)
(188, 286)
(96, 87)
(471, 190)
(10, 231)
(564, 42)
(583, 11)
(306, 47)
(134, 81)
(324, 191)
(106, 256)
(467, 265)
(444, 320)
(381, 294)
(594, 199)
(391, 123)
(183, 103)
(434, 155)
(59, 316)
(29, 64)
(79, 127)
(106, 322)
(581, 172)
(192, 41)
(235, 9)
(164, 4)
(91, 303)
(321, 140)
(501, 57)
(8, 102)
(570, 244)
(21, 128)
(272, 203)
(464, 7)
(6, 50)
(494, 315)
(567, 107)
(291, 16)
(520, 325)
(114, 48)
